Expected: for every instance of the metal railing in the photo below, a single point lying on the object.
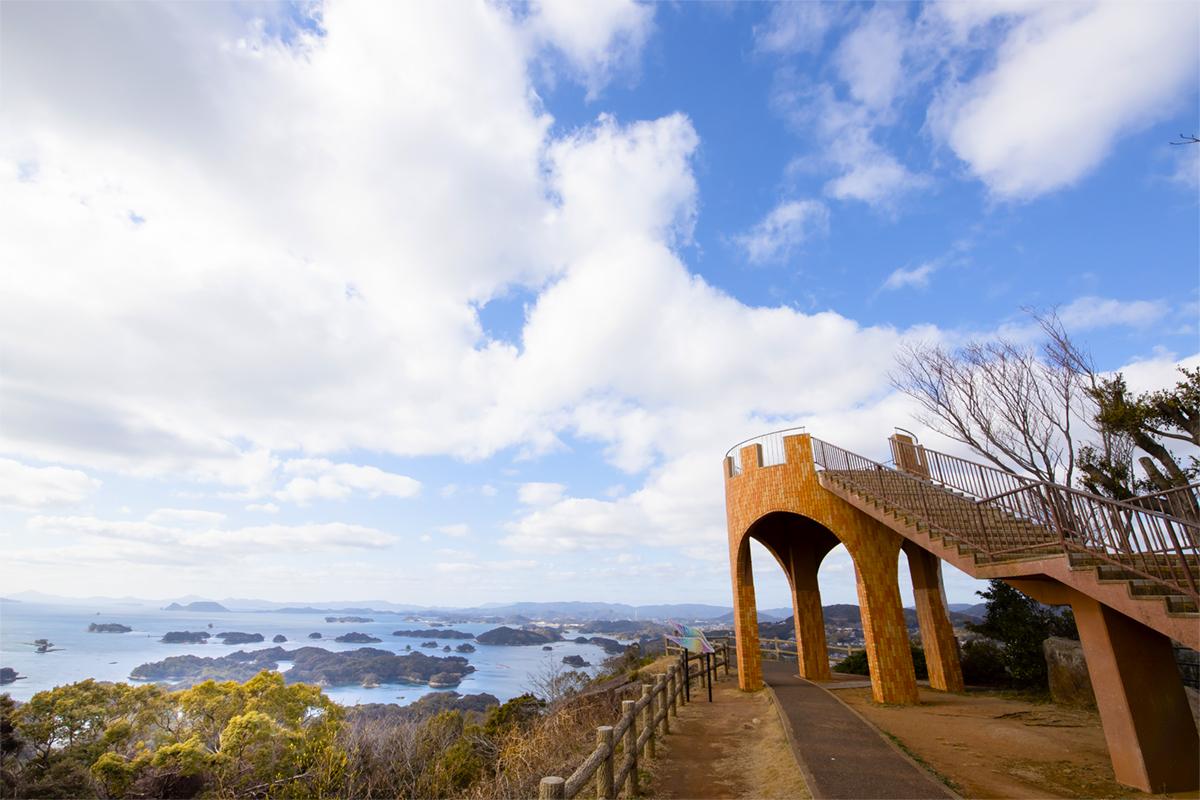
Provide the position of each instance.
(1011, 516)
(633, 736)
(772, 448)
(1181, 501)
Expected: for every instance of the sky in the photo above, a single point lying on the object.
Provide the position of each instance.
(454, 303)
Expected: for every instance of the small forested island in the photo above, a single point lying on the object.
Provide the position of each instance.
(108, 627)
(429, 644)
(575, 661)
(505, 635)
(349, 619)
(186, 637)
(435, 634)
(465, 648)
(357, 638)
(199, 605)
(279, 637)
(314, 635)
(547, 647)
(8, 675)
(311, 665)
(237, 637)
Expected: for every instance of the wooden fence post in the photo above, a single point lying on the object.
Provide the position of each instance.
(648, 718)
(725, 647)
(673, 683)
(660, 690)
(552, 788)
(631, 749)
(604, 775)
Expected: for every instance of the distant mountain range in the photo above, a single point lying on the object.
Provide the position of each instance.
(565, 611)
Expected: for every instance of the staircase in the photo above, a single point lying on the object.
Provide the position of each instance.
(992, 524)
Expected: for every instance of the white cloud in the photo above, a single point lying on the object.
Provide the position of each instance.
(1099, 312)
(266, 508)
(457, 530)
(1068, 81)
(917, 277)
(318, 478)
(793, 28)
(870, 57)
(26, 487)
(784, 229)
(598, 38)
(185, 517)
(185, 541)
(540, 494)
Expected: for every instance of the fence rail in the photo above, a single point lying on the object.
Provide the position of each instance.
(1005, 515)
(613, 764)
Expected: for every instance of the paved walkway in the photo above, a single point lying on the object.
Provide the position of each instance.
(841, 755)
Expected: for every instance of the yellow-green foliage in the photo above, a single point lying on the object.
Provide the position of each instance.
(262, 737)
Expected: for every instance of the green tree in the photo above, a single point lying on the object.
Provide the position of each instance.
(1019, 625)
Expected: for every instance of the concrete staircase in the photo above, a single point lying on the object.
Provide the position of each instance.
(1020, 535)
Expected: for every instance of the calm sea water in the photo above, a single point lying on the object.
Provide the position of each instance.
(502, 671)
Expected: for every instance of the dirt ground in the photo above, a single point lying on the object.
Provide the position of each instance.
(992, 746)
(734, 747)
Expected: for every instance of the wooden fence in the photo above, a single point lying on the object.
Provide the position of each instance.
(614, 762)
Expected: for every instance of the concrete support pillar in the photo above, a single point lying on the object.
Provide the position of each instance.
(937, 634)
(1147, 722)
(745, 619)
(811, 649)
(876, 564)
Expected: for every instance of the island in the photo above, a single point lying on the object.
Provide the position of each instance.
(314, 636)
(199, 605)
(313, 665)
(279, 637)
(108, 627)
(186, 637)
(357, 638)
(8, 675)
(465, 648)
(236, 637)
(435, 634)
(505, 635)
(575, 661)
(349, 619)
(547, 647)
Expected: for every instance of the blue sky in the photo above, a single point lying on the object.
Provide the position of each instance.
(458, 303)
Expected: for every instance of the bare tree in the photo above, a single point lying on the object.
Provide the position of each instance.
(1016, 405)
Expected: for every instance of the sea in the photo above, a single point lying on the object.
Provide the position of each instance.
(503, 671)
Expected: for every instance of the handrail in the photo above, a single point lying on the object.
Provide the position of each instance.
(1029, 482)
(634, 733)
(772, 442)
(1031, 518)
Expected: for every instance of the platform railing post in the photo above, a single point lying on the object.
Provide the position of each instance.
(552, 788)
(648, 723)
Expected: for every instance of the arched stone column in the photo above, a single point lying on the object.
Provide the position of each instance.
(876, 569)
(799, 545)
(745, 619)
(937, 634)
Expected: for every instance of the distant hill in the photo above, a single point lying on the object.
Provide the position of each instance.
(199, 605)
(976, 610)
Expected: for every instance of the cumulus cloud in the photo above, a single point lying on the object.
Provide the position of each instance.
(598, 39)
(185, 517)
(1068, 80)
(784, 229)
(457, 530)
(318, 478)
(26, 487)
